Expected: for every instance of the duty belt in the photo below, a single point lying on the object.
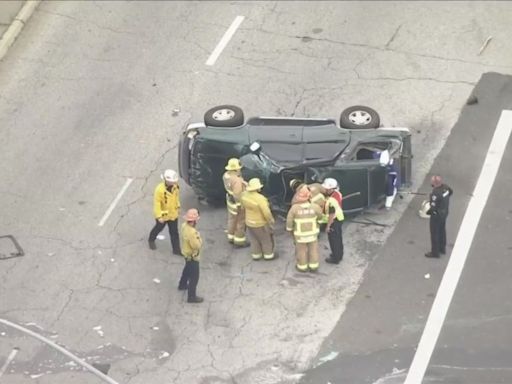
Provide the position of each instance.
(191, 257)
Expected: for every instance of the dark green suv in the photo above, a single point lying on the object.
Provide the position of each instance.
(279, 149)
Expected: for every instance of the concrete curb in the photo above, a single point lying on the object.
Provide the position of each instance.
(17, 25)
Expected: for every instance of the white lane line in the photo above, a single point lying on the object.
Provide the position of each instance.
(460, 250)
(10, 358)
(62, 350)
(225, 40)
(114, 203)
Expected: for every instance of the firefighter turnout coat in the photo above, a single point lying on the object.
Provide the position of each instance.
(191, 242)
(257, 209)
(234, 185)
(166, 203)
(303, 219)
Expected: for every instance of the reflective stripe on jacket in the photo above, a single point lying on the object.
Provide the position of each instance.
(191, 242)
(302, 219)
(257, 209)
(338, 212)
(166, 205)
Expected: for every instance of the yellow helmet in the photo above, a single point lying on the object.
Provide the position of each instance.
(254, 185)
(295, 183)
(233, 164)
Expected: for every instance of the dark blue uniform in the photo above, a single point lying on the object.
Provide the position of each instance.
(439, 207)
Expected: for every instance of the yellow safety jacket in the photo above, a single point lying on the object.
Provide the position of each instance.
(191, 242)
(166, 204)
(302, 219)
(257, 209)
(234, 185)
(338, 212)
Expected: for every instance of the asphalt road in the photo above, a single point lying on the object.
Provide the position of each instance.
(93, 94)
(377, 336)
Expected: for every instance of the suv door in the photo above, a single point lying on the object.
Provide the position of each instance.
(353, 179)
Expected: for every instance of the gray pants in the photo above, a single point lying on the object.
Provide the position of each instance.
(262, 242)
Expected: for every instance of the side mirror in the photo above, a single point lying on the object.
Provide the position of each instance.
(255, 147)
(384, 158)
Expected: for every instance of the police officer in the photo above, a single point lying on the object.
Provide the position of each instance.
(439, 204)
(192, 243)
(259, 220)
(302, 221)
(166, 208)
(235, 185)
(333, 208)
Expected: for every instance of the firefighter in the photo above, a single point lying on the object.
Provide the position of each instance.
(334, 210)
(192, 244)
(316, 189)
(235, 185)
(439, 204)
(259, 220)
(166, 208)
(302, 221)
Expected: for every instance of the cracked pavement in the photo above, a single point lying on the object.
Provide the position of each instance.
(88, 92)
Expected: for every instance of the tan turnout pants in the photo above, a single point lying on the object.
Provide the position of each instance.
(262, 242)
(307, 255)
(236, 227)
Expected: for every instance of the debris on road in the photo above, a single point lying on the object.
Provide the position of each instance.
(484, 45)
(156, 280)
(427, 276)
(163, 354)
(99, 331)
(330, 356)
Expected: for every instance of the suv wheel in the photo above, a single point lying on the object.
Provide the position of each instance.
(359, 117)
(224, 116)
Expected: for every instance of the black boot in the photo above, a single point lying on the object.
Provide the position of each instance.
(196, 299)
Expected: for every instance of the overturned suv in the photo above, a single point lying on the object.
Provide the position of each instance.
(278, 150)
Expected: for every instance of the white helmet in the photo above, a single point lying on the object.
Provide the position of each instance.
(170, 176)
(422, 212)
(384, 158)
(330, 183)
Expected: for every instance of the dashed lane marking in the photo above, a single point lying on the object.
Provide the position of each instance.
(114, 203)
(225, 40)
(460, 250)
